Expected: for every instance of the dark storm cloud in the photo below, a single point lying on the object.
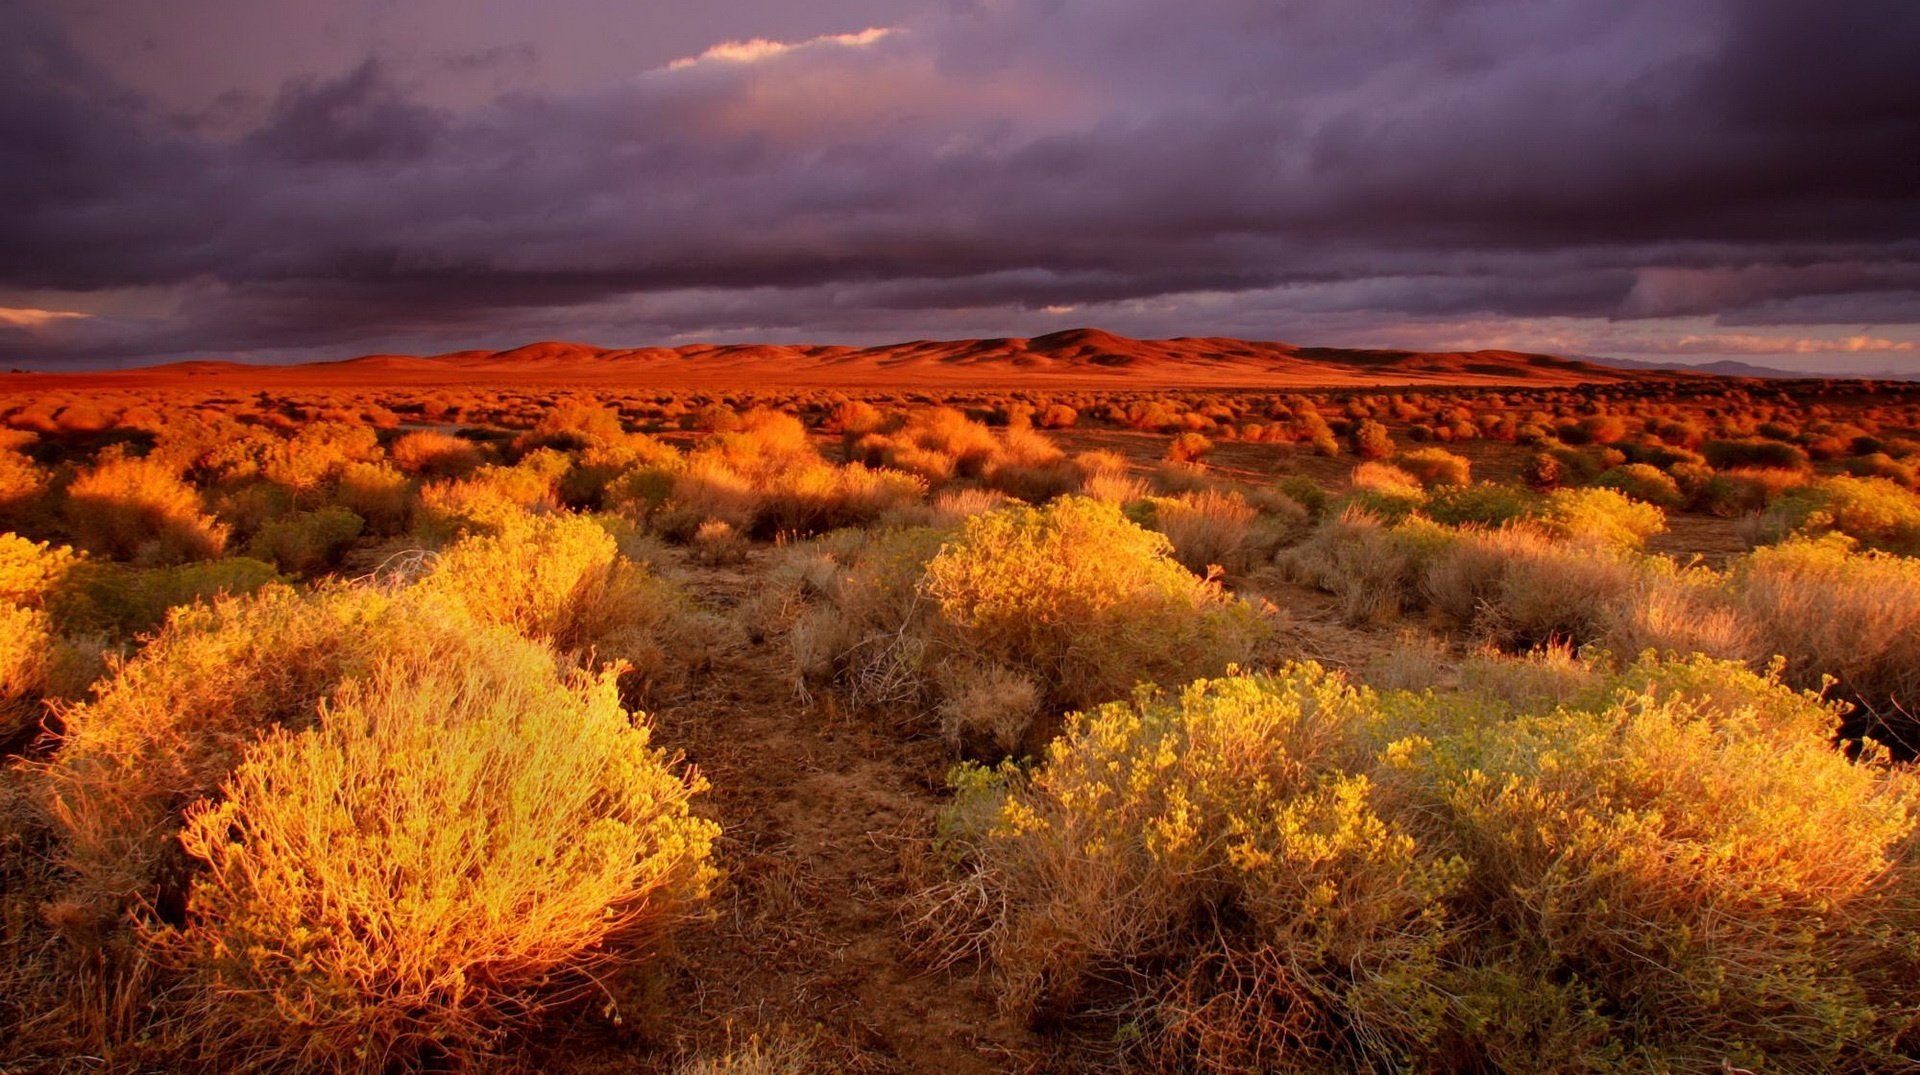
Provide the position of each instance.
(1746, 159)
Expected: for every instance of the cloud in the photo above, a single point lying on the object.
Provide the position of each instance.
(1286, 168)
(30, 319)
(759, 48)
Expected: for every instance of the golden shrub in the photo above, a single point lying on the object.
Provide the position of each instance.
(1217, 859)
(169, 724)
(448, 850)
(1083, 599)
(139, 509)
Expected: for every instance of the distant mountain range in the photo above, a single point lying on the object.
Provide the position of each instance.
(1730, 368)
(1076, 357)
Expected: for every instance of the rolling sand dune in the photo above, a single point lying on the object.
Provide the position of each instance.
(1082, 357)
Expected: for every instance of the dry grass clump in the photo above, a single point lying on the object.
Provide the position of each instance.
(140, 510)
(1368, 563)
(1521, 588)
(1674, 870)
(1213, 529)
(448, 851)
(1833, 611)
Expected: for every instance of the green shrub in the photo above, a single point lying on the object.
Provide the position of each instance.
(1435, 467)
(1482, 503)
(307, 543)
(1645, 483)
(1873, 511)
(1600, 517)
(1766, 454)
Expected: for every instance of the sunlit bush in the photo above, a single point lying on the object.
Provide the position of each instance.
(1677, 873)
(1832, 611)
(1873, 511)
(169, 724)
(1210, 870)
(139, 509)
(1083, 599)
(1644, 482)
(446, 852)
(1674, 870)
(561, 579)
(430, 453)
(1600, 517)
(1435, 467)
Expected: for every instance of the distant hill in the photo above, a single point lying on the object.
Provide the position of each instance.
(1722, 368)
(1075, 357)
(1730, 368)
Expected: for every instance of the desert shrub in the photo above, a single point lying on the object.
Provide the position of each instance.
(1188, 447)
(378, 494)
(318, 452)
(936, 443)
(1766, 454)
(1520, 588)
(562, 579)
(492, 496)
(429, 453)
(140, 510)
(1209, 869)
(1669, 869)
(1435, 467)
(1871, 465)
(1832, 611)
(986, 710)
(1600, 517)
(449, 849)
(1676, 873)
(766, 479)
(1371, 565)
(1207, 530)
(1030, 466)
(1746, 490)
(1386, 490)
(21, 484)
(1873, 511)
(169, 724)
(307, 543)
(121, 602)
(1643, 482)
(1082, 599)
(1482, 503)
(1371, 440)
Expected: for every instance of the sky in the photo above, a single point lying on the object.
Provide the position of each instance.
(287, 180)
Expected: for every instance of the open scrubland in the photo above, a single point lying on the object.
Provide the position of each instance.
(581, 727)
